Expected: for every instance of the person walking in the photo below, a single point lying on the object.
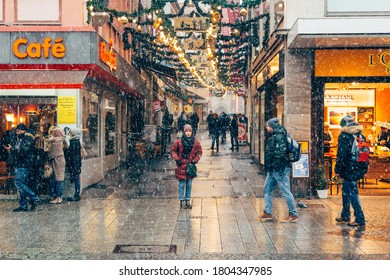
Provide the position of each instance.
(194, 122)
(351, 171)
(74, 160)
(56, 147)
(234, 133)
(21, 160)
(185, 150)
(215, 131)
(209, 120)
(278, 167)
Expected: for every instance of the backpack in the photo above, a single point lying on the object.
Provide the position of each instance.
(360, 149)
(294, 149)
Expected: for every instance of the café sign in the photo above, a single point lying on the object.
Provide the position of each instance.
(108, 56)
(352, 63)
(23, 48)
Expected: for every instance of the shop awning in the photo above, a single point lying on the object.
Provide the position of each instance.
(339, 33)
(15, 79)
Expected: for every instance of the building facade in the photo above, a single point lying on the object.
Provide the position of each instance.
(324, 59)
(58, 70)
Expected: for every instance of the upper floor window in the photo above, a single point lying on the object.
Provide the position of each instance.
(358, 7)
(1, 10)
(38, 10)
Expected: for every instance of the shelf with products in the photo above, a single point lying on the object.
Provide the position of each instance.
(366, 115)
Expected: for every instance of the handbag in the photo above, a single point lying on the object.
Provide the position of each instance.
(47, 170)
(191, 170)
(83, 152)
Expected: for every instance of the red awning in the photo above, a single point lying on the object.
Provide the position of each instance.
(18, 79)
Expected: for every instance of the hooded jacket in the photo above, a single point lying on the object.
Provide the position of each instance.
(345, 167)
(177, 154)
(276, 158)
(22, 154)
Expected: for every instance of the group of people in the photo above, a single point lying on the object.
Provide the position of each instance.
(188, 118)
(30, 150)
(278, 169)
(219, 125)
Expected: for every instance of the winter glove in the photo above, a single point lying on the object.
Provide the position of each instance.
(178, 162)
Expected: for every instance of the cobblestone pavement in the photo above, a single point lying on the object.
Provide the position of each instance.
(139, 218)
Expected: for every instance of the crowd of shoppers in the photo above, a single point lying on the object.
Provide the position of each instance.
(30, 149)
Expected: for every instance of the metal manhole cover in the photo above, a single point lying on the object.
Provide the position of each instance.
(145, 249)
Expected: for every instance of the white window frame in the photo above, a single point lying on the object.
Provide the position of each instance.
(357, 7)
(38, 11)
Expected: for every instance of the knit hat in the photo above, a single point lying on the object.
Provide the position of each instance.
(187, 127)
(346, 120)
(75, 132)
(273, 123)
(21, 126)
(58, 132)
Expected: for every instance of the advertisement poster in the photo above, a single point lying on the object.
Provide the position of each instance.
(301, 167)
(242, 137)
(67, 113)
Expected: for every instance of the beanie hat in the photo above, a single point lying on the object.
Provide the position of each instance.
(346, 120)
(187, 127)
(273, 123)
(75, 131)
(58, 132)
(21, 126)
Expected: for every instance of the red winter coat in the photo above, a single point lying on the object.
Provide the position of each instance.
(177, 154)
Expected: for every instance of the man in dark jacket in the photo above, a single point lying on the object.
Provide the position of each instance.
(22, 159)
(278, 170)
(351, 171)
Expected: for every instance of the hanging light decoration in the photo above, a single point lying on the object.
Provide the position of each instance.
(123, 19)
(236, 32)
(157, 22)
(215, 17)
(243, 12)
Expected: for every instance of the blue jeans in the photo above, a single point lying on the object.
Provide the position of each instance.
(215, 139)
(185, 185)
(282, 179)
(55, 188)
(350, 195)
(25, 192)
(76, 180)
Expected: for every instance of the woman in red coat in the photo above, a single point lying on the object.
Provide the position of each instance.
(185, 150)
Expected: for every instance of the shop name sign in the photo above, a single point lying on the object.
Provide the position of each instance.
(381, 58)
(23, 48)
(108, 56)
(335, 98)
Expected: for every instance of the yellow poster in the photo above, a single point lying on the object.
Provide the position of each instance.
(67, 113)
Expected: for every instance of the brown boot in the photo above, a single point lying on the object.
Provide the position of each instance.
(188, 204)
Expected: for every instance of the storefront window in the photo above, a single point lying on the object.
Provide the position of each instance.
(358, 6)
(91, 128)
(262, 125)
(110, 126)
(31, 10)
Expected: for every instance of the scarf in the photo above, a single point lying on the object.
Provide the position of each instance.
(188, 143)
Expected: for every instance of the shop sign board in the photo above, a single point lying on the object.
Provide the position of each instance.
(350, 97)
(156, 105)
(46, 48)
(108, 57)
(191, 24)
(352, 63)
(67, 113)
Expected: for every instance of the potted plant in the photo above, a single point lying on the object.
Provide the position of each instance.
(319, 182)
